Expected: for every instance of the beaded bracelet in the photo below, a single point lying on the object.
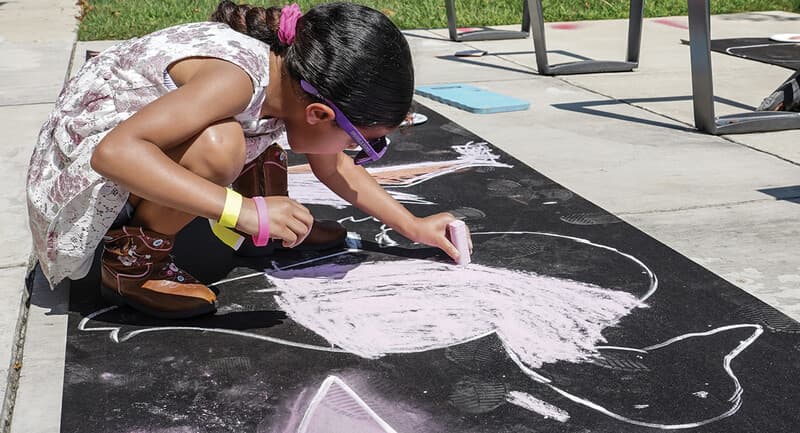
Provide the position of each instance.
(261, 238)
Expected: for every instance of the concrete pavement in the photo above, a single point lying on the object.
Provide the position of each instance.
(626, 141)
(36, 41)
(623, 141)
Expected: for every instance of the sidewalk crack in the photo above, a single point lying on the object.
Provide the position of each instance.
(15, 367)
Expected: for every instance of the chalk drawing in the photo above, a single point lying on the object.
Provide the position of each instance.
(304, 186)
(382, 237)
(337, 408)
(114, 332)
(503, 311)
(383, 403)
(408, 306)
(533, 404)
(735, 399)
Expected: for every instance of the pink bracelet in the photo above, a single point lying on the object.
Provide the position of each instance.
(261, 238)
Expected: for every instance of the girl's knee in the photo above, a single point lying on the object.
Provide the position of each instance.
(218, 153)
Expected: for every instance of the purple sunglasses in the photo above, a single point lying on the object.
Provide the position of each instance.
(371, 150)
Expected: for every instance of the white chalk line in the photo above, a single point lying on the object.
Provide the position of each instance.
(472, 154)
(382, 238)
(650, 274)
(320, 395)
(735, 398)
(533, 404)
(729, 50)
(114, 333)
(274, 265)
(621, 348)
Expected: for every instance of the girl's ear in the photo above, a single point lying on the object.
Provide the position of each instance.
(317, 113)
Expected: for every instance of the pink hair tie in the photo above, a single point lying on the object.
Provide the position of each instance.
(288, 24)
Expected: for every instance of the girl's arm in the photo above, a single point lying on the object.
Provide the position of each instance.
(354, 184)
(133, 153)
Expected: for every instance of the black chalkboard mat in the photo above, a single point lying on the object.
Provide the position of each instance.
(698, 353)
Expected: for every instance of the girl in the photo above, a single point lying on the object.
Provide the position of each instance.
(150, 132)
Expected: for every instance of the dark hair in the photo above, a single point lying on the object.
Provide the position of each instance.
(355, 56)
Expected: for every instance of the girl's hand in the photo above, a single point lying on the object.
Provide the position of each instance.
(432, 231)
(288, 219)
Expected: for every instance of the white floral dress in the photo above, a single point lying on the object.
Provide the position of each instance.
(70, 205)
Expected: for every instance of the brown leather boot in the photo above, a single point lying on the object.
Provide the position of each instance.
(267, 176)
(138, 271)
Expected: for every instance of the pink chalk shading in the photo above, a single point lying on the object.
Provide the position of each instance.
(409, 306)
(566, 26)
(671, 23)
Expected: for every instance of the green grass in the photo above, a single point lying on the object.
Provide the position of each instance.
(122, 19)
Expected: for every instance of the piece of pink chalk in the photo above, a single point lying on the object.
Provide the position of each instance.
(460, 239)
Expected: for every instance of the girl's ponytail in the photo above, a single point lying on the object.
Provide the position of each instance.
(254, 21)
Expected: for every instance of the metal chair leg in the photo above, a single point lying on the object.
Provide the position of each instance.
(703, 86)
(587, 66)
(484, 34)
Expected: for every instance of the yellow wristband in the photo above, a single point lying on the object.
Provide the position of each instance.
(226, 235)
(233, 205)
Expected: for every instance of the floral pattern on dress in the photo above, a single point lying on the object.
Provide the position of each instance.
(70, 205)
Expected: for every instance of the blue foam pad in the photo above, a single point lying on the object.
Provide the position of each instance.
(472, 99)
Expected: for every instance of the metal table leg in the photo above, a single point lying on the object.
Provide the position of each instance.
(703, 86)
(484, 34)
(587, 66)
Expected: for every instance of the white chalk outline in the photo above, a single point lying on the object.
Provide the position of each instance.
(382, 237)
(736, 398)
(471, 154)
(323, 390)
(533, 404)
(741, 47)
(650, 274)
(115, 330)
